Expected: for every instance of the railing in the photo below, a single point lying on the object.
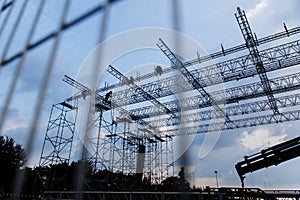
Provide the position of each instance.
(208, 193)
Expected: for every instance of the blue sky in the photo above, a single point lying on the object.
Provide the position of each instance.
(210, 23)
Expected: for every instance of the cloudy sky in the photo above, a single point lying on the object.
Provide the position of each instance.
(210, 23)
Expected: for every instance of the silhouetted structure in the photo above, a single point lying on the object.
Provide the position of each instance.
(267, 157)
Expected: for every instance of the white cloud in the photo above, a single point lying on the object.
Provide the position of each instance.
(257, 9)
(11, 125)
(260, 138)
(205, 181)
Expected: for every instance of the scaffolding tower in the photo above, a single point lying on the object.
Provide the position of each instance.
(58, 140)
(122, 144)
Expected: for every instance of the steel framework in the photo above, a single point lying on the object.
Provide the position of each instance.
(58, 140)
(139, 139)
(255, 57)
(115, 142)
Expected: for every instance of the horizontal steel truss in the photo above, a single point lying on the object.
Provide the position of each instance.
(240, 123)
(235, 49)
(275, 58)
(106, 105)
(231, 95)
(215, 55)
(178, 65)
(138, 89)
(243, 109)
(85, 91)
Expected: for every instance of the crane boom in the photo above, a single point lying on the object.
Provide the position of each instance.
(267, 157)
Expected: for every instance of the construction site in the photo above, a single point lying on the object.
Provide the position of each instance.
(137, 128)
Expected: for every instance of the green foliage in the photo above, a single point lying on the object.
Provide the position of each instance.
(12, 158)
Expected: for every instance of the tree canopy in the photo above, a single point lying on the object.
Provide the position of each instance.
(12, 158)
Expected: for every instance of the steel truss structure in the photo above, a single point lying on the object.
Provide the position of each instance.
(120, 145)
(59, 135)
(139, 139)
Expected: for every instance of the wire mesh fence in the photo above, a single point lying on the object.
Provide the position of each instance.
(41, 41)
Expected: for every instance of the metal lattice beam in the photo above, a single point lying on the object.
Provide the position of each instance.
(178, 65)
(240, 123)
(275, 58)
(264, 40)
(103, 104)
(139, 90)
(236, 110)
(232, 95)
(255, 57)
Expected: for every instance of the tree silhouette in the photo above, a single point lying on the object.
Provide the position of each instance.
(12, 158)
